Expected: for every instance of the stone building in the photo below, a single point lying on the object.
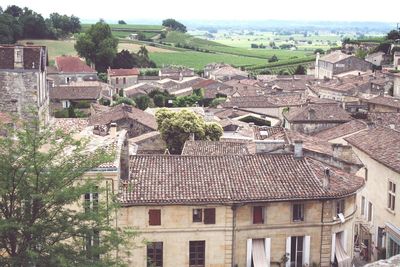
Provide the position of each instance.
(378, 218)
(384, 104)
(23, 84)
(239, 210)
(69, 69)
(122, 78)
(314, 118)
(135, 121)
(337, 63)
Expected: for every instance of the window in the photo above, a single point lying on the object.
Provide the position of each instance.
(154, 217)
(92, 200)
(209, 216)
(258, 215)
(92, 243)
(340, 206)
(296, 251)
(298, 212)
(197, 215)
(18, 55)
(124, 80)
(155, 254)
(394, 248)
(197, 253)
(65, 103)
(362, 205)
(116, 80)
(391, 195)
(369, 211)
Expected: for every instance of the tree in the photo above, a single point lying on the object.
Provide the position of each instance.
(300, 70)
(174, 25)
(124, 100)
(33, 25)
(14, 11)
(319, 50)
(121, 22)
(143, 101)
(274, 58)
(10, 30)
(41, 172)
(97, 45)
(360, 53)
(176, 127)
(393, 35)
(143, 52)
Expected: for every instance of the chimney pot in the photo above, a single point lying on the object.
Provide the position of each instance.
(298, 149)
(113, 129)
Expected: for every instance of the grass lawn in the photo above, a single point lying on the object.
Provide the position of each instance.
(55, 47)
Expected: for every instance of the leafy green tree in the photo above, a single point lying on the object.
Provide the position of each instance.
(33, 25)
(98, 46)
(143, 101)
(174, 25)
(121, 22)
(274, 58)
(124, 100)
(62, 25)
(159, 100)
(176, 127)
(393, 35)
(10, 30)
(319, 50)
(361, 53)
(41, 174)
(217, 101)
(14, 11)
(143, 52)
(300, 70)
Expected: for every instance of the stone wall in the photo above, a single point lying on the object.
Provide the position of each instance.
(310, 128)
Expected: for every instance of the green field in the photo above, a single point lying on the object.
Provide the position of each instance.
(132, 27)
(198, 60)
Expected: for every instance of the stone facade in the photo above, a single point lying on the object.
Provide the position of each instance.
(23, 86)
(226, 240)
(311, 127)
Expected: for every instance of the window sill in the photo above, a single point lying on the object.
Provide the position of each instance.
(297, 221)
(391, 211)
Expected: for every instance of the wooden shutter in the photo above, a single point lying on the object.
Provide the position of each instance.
(154, 217)
(267, 244)
(258, 215)
(209, 216)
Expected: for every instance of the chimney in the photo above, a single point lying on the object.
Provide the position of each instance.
(343, 152)
(113, 129)
(326, 179)
(298, 149)
(191, 136)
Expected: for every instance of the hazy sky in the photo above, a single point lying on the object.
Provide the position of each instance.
(336, 10)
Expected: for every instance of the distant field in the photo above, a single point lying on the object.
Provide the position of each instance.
(135, 47)
(55, 47)
(133, 27)
(198, 60)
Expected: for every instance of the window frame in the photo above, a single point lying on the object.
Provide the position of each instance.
(155, 252)
(302, 210)
(197, 247)
(91, 200)
(298, 240)
(199, 218)
(262, 214)
(391, 205)
(340, 206)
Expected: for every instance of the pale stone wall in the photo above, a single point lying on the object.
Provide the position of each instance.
(396, 86)
(376, 192)
(381, 108)
(177, 229)
(129, 81)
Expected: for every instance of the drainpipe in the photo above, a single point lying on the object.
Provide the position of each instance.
(322, 228)
(234, 209)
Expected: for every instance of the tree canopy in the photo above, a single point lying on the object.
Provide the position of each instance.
(127, 60)
(174, 25)
(98, 46)
(176, 127)
(300, 70)
(393, 35)
(41, 180)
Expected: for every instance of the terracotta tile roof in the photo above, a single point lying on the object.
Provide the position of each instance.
(69, 125)
(249, 102)
(385, 101)
(334, 57)
(318, 113)
(387, 119)
(341, 130)
(214, 148)
(168, 179)
(121, 111)
(230, 113)
(381, 144)
(71, 64)
(269, 133)
(75, 93)
(123, 72)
